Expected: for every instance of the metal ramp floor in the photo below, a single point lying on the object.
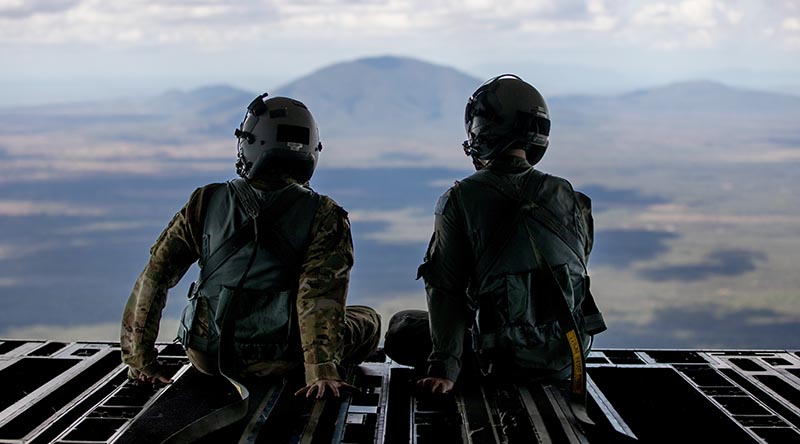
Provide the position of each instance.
(77, 393)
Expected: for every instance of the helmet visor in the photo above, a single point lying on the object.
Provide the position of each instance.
(292, 134)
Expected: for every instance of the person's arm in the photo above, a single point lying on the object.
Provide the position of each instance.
(174, 252)
(447, 270)
(585, 208)
(324, 278)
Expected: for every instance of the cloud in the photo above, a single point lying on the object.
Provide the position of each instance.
(714, 326)
(220, 24)
(107, 331)
(691, 13)
(18, 251)
(687, 23)
(9, 282)
(674, 213)
(83, 151)
(401, 226)
(621, 248)
(27, 8)
(766, 156)
(730, 262)
(24, 208)
(441, 183)
(108, 226)
(164, 21)
(791, 24)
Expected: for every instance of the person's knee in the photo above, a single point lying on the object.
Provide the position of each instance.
(407, 324)
(366, 317)
(408, 338)
(202, 362)
(362, 333)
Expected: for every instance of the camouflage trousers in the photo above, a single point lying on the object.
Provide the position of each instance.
(361, 338)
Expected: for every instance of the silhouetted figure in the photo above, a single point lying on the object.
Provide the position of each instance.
(506, 265)
(275, 261)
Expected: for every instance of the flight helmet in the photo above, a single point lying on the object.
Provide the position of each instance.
(277, 135)
(506, 112)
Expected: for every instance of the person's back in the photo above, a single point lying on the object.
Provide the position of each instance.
(275, 258)
(510, 245)
(516, 325)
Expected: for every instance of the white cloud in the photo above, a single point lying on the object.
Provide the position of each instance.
(27, 8)
(683, 24)
(217, 25)
(766, 156)
(691, 13)
(221, 23)
(108, 331)
(791, 24)
(17, 251)
(680, 214)
(23, 208)
(108, 226)
(9, 282)
(401, 226)
(441, 183)
(82, 152)
(174, 43)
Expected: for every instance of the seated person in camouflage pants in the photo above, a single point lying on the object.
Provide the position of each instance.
(275, 261)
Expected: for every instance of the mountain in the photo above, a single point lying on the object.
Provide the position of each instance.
(390, 98)
(683, 98)
(386, 95)
(399, 111)
(214, 98)
(708, 96)
(213, 110)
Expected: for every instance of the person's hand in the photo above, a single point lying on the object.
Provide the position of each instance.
(435, 385)
(323, 386)
(152, 378)
(158, 377)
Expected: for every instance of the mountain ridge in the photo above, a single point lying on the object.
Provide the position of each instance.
(402, 105)
(409, 82)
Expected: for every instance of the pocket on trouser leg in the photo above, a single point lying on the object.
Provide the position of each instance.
(202, 361)
(193, 330)
(362, 333)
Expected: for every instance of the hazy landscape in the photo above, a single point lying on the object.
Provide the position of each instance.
(694, 187)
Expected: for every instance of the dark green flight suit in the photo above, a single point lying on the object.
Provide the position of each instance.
(467, 218)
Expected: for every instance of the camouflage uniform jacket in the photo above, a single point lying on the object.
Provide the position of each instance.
(322, 287)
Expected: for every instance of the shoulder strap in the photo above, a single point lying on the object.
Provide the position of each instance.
(566, 321)
(246, 197)
(569, 329)
(246, 233)
(273, 237)
(502, 233)
(503, 186)
(540, 213)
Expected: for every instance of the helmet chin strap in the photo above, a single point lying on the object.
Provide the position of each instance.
(478, 163)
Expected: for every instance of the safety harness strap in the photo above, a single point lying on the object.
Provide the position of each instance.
(245, 234)
(525, 204)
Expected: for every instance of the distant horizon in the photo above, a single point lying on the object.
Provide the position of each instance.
(68, 50)
(151, 88)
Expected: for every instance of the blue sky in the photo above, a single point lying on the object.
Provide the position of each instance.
(65, 50)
